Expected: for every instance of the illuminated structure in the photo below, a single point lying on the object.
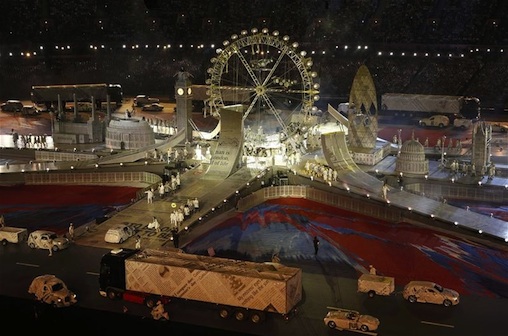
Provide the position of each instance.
(129, 134)
(363, 123)
(481, 149)
(411, 159)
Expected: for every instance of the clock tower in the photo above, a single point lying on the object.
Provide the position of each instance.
(183, 96)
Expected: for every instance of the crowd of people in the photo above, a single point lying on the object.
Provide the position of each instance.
(434, 26)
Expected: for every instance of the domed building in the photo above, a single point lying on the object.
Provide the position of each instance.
(411, 159)
(129, 134)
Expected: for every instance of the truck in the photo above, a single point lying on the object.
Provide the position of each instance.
(411, 106)
(10, 234)
(374, 284)
(244, 290)
(51, 290)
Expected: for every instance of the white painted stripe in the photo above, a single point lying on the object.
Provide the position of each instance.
(438, 324)
(92, 273)
(25, 264)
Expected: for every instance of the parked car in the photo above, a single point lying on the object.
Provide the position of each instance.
(499, 128)
(12, 105)
(430, 292)
(51, 290)
(43, 239)
(345, 319)
(154, 107)
(119, 233)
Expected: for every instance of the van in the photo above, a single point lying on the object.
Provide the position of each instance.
(119, 233)
(435, 121)
(12, 106)
(430, 292)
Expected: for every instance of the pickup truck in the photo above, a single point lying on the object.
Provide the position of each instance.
(373, 284)
(10, 234)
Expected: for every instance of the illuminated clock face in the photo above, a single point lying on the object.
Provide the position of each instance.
(189, 91)
(180, 91)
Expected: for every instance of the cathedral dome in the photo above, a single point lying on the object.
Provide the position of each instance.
(129, 134)
(411, 159)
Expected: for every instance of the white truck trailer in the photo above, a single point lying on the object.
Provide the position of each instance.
(373, 284)
(10, 234)
(243, 289)
(416, 106)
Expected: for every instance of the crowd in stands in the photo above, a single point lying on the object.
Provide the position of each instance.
(436, 26)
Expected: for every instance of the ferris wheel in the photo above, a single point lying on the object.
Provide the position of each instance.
(266, 73)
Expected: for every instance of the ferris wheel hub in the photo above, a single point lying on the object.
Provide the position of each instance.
(260, 90)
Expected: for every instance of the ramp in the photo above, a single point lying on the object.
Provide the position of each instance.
(337, 116)
(207, 135)
(337, 156)
(225, 160)
(336, 152)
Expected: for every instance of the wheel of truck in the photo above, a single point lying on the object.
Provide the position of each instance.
(423, 124)
(240, 314)
(441, 125)
(371, 293)
(150, 301)
(224, 312)
(257, 317)
(364, 328)
(332, 325)
(113, 294)
(31, 245)
(4, 242)
(412, 298)
(447, 303)
(55, 248)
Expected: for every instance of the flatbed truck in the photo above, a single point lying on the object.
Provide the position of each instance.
(10, 234)
(374, 284)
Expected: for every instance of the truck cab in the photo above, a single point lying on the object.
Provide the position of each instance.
(112, 272)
